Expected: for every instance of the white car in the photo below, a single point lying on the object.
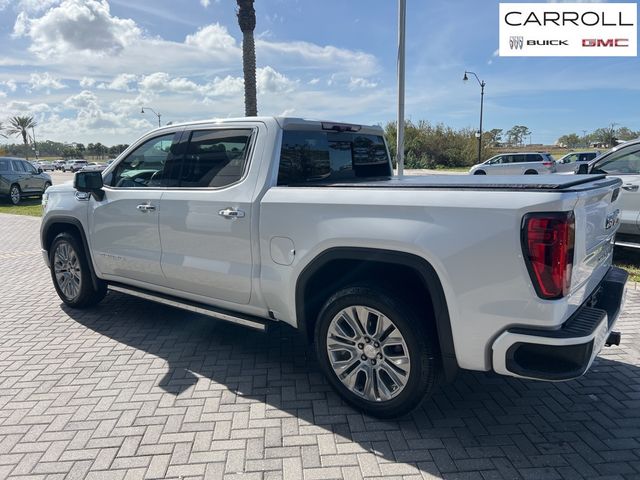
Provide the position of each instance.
(623, 162)
(74, 165)
(520, 163)
(398, 282)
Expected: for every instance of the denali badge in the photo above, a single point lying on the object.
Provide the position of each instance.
(612, 220)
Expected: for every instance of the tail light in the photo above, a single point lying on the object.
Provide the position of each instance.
(547, 164)
(547, 243)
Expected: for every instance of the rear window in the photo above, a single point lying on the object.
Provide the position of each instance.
(534, 157)
(312, 156)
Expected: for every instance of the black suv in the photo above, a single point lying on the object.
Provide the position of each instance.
(19, 179)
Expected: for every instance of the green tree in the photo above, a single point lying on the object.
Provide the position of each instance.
(624, 133)
(493, 137)
(606, 135)
(19, 126)
(571, 140)
(247, 22)
(517, 134)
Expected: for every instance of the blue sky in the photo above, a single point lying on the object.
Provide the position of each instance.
(83, 68)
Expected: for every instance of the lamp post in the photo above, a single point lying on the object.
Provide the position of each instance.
(155, 113)
(35, 145)
(402, 13)
(479, 135)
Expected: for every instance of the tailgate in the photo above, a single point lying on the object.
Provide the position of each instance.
(597, 215)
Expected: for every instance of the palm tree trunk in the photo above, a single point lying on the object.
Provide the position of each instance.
(249, 70)
(26, 145)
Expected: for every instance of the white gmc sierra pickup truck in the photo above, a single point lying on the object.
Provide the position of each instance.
(397, 282)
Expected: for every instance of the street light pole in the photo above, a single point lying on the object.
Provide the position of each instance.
(156, 114)
(402, 10)
(482, 84)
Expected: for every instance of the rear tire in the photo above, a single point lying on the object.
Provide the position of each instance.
(384, 364)
(531, 172)
(71, 274)
(15, 195)
(479, 172)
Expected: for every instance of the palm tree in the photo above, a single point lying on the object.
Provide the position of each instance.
(247, 22)
(20, 126)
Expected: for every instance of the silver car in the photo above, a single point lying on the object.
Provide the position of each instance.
(623, 162)
(525, 163)
(571, 161)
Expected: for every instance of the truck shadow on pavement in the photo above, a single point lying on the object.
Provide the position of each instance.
(480, 422)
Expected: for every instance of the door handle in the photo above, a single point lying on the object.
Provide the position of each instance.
(231, 213)
(145, 207)
(629, 187)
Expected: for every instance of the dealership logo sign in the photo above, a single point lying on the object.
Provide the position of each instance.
(516, 42)
(568, 30)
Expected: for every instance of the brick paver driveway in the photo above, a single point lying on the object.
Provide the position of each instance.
(132, 389)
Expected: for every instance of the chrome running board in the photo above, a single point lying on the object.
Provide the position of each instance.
(256, 323)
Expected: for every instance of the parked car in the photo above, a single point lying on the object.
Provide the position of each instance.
(46, 166)
(74, 165)
(398, 282)
(571, 161)
(526, 163)
(94, 167)
(58, 164)
(623, 162)
(20, 179)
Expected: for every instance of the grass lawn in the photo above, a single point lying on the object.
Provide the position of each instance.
(27, 207)
(629, 259)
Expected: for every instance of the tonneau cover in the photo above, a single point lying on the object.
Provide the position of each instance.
(475, 182)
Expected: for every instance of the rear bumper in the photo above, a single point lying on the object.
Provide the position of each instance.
(569, 351)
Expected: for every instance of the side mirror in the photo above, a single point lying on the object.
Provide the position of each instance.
(583, 169)
(89, 182)
(40, 170)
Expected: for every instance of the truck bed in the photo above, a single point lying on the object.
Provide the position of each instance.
(544, 183)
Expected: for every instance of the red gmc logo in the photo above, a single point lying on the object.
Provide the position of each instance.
(609, 42)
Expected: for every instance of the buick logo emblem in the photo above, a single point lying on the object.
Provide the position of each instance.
(515, 43)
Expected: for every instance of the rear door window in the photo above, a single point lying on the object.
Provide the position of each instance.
(17, 166)
(532, 157)
(5, 165)
(215, 158)
(313, 156)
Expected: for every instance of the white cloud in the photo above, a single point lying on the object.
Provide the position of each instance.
(10, 84)
(121, 82)
(271, 81)
(359, 82)
(76, 25)
(212, 37)
(205, 3)
(86, 82)
(44, 81)
(314, 81)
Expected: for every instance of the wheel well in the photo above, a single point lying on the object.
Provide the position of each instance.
(73, 226)
(409, 275)
(56, 229)
(531, 172)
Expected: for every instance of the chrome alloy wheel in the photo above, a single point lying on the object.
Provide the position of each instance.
(15, 195)
(66, 267)
(368, 353)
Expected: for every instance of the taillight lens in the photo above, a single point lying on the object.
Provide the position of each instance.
(547, 243)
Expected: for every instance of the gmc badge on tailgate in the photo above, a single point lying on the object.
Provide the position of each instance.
(612, 219)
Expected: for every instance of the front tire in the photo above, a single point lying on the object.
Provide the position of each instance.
(71, 275)
(531, 172)
(376, 351)
(479, 172)
(15, 194)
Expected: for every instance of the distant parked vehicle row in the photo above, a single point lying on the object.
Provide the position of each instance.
(45, 166)
(94, 167)
(527, 163)
(20, 179)
(74, 165)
